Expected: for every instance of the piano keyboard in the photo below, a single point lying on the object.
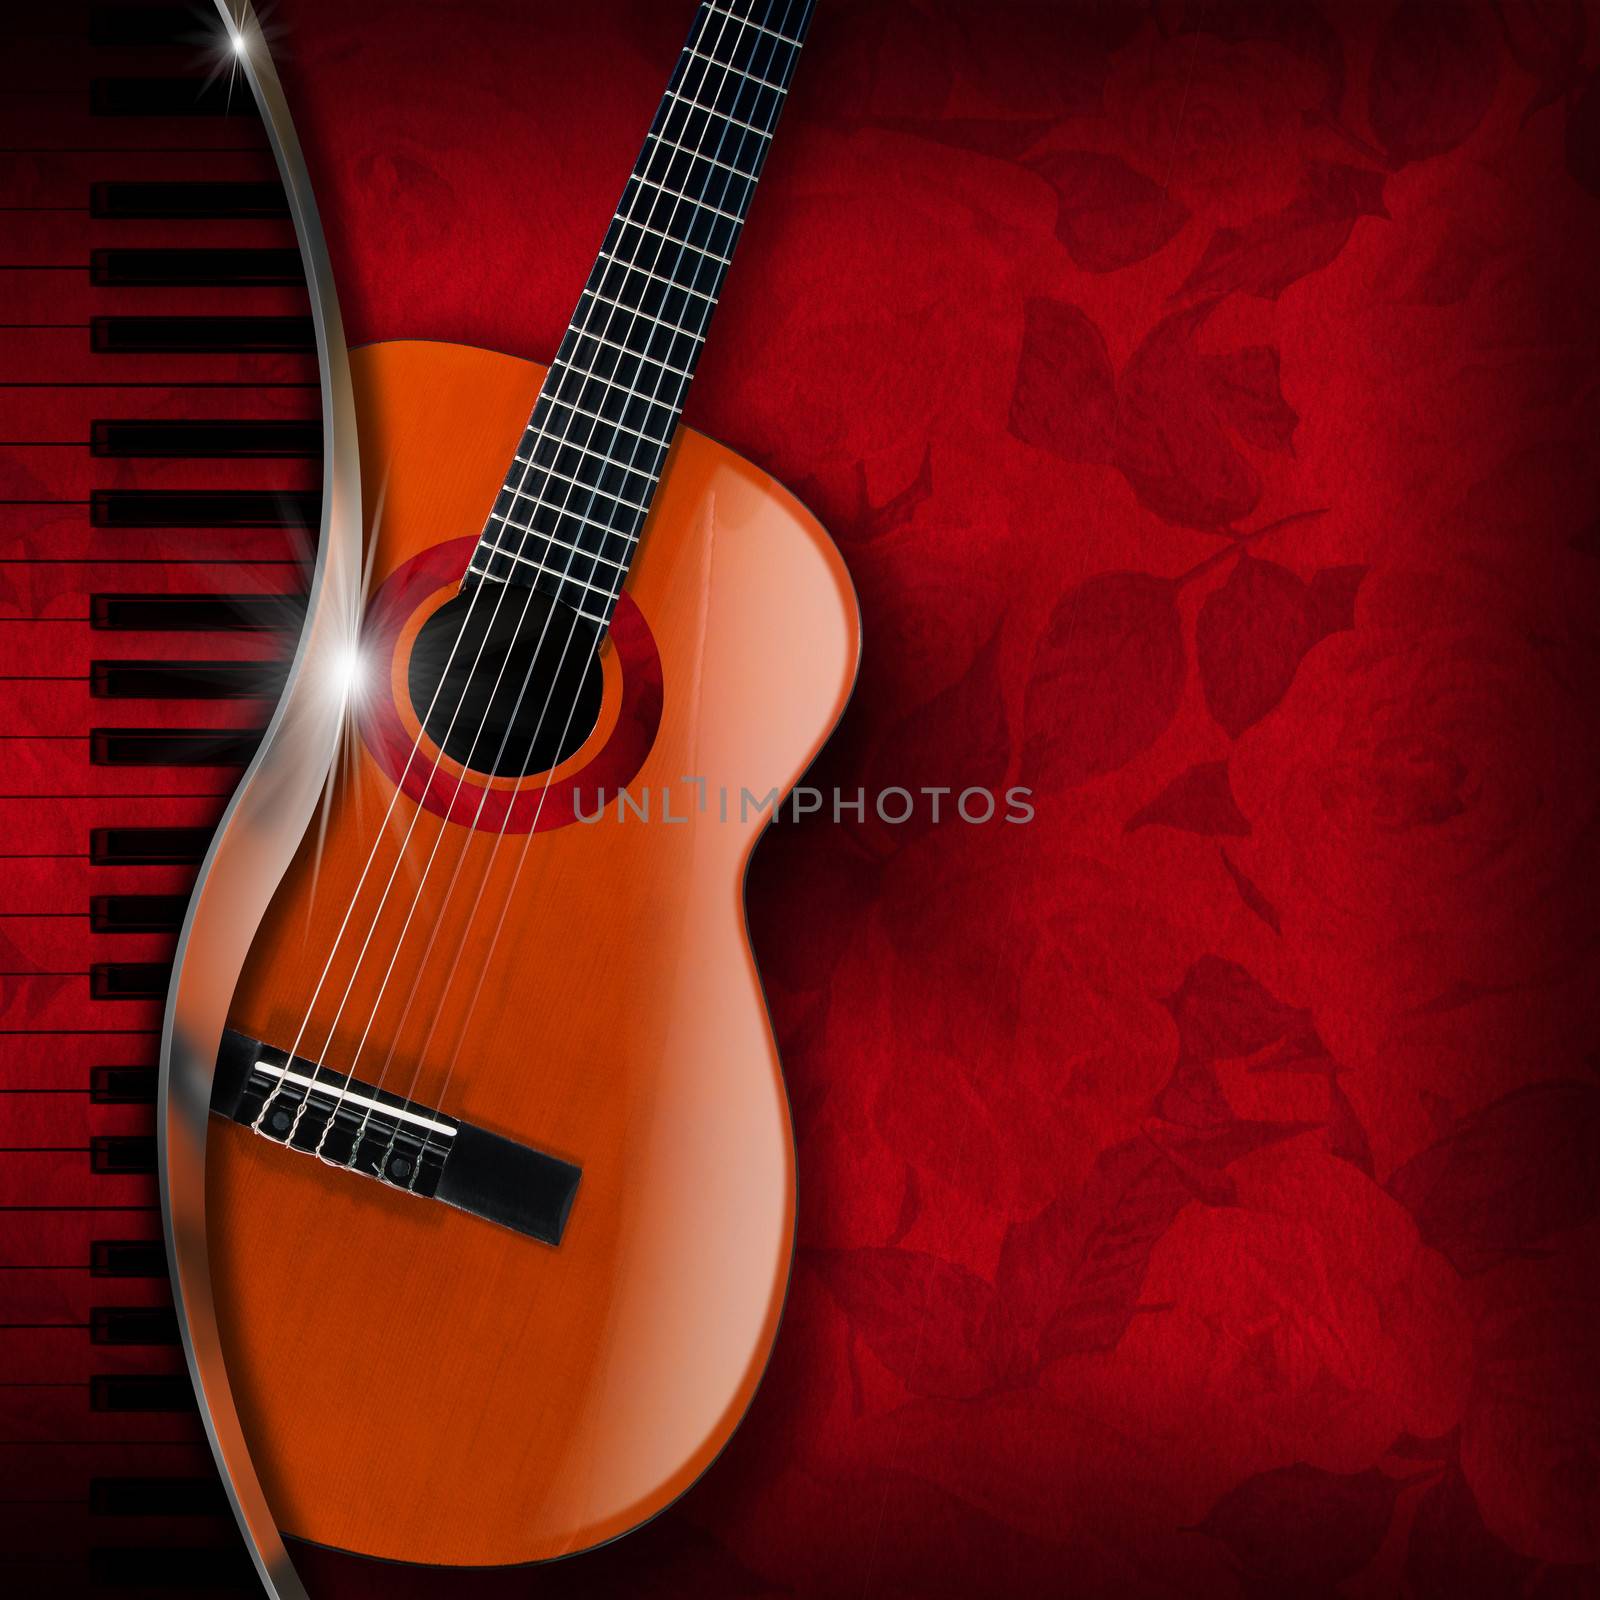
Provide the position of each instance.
(160, 444)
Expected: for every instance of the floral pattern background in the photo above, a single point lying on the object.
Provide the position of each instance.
(1200, 1185)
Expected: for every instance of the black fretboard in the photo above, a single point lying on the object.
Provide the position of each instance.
(570, 515)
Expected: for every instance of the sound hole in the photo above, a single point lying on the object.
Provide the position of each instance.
(503, 689)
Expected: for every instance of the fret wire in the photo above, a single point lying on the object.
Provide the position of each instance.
(616, 383)
(588, 454)
(563, 511)
(671, 404)
(493, 550)
(649, 316)
(730, 66)
(550, 472)
(545, 572)
(564, 577)
(640, 177)
(685, 244)
(576, 549)
(683, 149)
(678, 194)
(595, 416)
(746, 22)
(633, 266)
(638, 355)
(711, 111)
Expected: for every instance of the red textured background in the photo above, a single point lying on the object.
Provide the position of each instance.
(1199, 1184)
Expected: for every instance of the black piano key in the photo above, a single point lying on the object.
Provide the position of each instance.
(172, 747)
(133, 1325)
(122, 1086)
(185, 680)
(121, 1154)
(220, 96)
(139, 1391)
(204, 508)
(195, 613)
(127, 1258)
(129, 980)
(200, 335)
(144, 201)
(136, 913)
(227, 269)
(157, 1497)
(148, 847)
(115, 26)
(164, 1568)
(213, 440)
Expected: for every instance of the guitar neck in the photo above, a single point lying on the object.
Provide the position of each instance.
(570, 515)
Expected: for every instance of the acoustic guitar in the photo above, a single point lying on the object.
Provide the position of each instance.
(499, 1174)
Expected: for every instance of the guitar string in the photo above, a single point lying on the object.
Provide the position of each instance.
(797, 32)
(632, 319)
(496, 547)
(378, 837)
(382, 829)
(697, 36)
(400, 856)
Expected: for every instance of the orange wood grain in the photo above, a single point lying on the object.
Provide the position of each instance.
(416, 1383)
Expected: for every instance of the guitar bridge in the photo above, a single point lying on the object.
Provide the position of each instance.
(362, 1128)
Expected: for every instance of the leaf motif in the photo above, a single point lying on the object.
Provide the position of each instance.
(1192, 1097)
(1048, 60)
(13, 959)
(1452, 264)
(1197, 801)
(1301, 1530)
(1166, 425)
(1522, 1168)
(961, 730)
(1347, 1139)
(1451, 1553)
(1249, 638)
(1251, 895)
(1252, 634)
(1331, 600)
(30, 992)
(889, 63)
(1583, 137)
(1065, 397)
(1079, 1265)
(1076, 1270)
(1106, 679)
(861, 519)
(1546, 39)
(1300, 28)
(1433, 76)
(938, 1327)
(949, 1126)
(1172, 441)
(1004, 138)
(1246, 395)
(1264, 256)
(1222, 1013)
(1108, 216)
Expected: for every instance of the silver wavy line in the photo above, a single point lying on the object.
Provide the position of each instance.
(259, 833)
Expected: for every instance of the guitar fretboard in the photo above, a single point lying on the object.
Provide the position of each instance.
(573, 507)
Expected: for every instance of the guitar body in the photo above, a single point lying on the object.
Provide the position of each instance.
(415, 1382)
